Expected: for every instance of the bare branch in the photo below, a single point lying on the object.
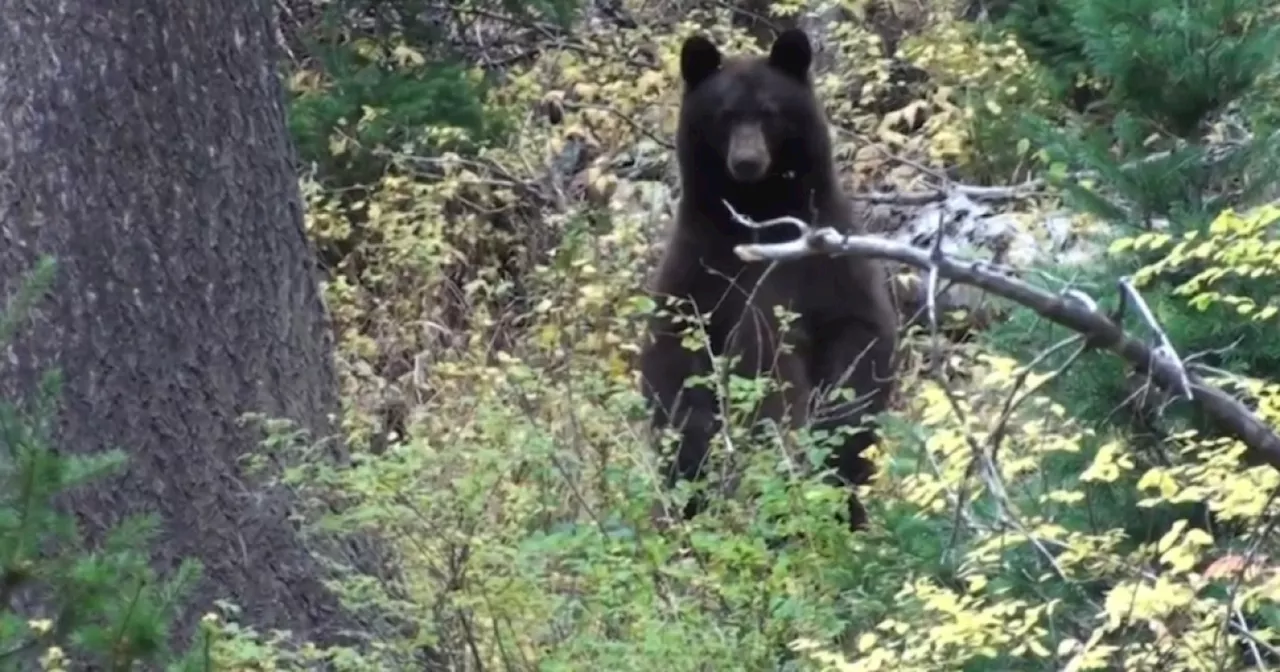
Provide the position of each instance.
(1064, 309)
(1166, 347)
(975, 192)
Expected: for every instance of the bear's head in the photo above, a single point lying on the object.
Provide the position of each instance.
(750, 118)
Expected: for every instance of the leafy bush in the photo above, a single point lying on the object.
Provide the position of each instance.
(988, 81)
(372, 105)
(390, 78)
(521, 492)
(1047, 31)
(1164, 161)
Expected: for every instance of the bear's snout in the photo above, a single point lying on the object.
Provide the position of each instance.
(748, 153)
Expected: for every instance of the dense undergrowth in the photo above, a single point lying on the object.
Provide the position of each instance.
(486, 258)
(500, 312)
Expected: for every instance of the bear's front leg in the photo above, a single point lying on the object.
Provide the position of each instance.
(757, 348)
(665, 366)
(856, 358)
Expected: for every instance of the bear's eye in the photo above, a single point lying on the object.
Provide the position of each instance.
(780, 125)
(730, 115)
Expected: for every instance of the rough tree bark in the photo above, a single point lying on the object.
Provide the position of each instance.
(144, 145)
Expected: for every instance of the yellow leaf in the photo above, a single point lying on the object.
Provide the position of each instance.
(1065, 496)
(1037, 648)
(1159, 478)
(651, 80)
(337, 144)
(1198, 537)
(1120, 245)
(1171, 537)
(407, 56)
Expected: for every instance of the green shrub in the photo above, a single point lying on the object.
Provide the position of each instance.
(421, 109)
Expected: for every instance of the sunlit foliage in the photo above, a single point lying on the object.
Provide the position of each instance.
(487, 317)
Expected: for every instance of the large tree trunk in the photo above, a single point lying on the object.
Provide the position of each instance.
(144, 145)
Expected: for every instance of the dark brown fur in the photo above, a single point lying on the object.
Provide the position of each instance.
(752, 132)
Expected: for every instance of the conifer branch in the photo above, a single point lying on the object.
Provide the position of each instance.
(1032, 187)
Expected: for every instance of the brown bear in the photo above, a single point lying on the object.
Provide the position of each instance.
(752, 132)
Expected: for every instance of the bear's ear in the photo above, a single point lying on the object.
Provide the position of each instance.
(792, 54)
(699, 59)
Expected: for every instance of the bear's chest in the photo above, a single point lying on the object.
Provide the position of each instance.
(810, 286)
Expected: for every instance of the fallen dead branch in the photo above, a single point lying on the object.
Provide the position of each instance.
(1074, 310)
(975, 192)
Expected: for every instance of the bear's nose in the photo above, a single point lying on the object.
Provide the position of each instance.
(747, 168)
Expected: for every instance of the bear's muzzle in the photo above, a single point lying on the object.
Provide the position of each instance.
(748, 153)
